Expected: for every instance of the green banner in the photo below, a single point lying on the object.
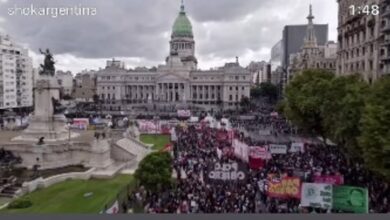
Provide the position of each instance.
(350, 199)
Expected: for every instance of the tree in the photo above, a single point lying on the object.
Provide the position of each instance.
(245, 103)
(305, 98)
(269, 90)
(155, 171)
(255, 92)
(343, 109)
(375, 126)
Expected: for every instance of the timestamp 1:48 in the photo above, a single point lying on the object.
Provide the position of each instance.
(365, 10)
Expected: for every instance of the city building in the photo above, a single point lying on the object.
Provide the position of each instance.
(16, 75)
(65, 81)
(276, 63)
(84, 86)
(293, 40)
(385, 37)
(313, 56)
(177, 83)
(358, 37)
(258, 71)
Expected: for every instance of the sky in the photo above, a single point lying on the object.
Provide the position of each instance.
(138, 31)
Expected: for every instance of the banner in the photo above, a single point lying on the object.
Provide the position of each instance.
(222, 135)
(316, 195)
(148, 127)
(256, 155)
(114, 209)
(259, 152)
(173, 134)
(80, 123)
(284, 187)
(297, 147)
(350, 199)
(241, 150)
(277, 149)
(264, 132)
(334, 180)
(226, 172)
(184, 113)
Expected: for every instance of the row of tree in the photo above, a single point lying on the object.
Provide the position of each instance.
(345, 109)
(265, 89)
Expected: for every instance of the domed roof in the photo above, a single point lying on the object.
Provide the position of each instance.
(182, 26)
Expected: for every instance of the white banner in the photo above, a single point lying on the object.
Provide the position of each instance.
(297, 147)
(148, 127)
(317, 195)
(226, 171)
(114, 209)
(184, 113)
(241, 150)
(259, 152)
(277, 149)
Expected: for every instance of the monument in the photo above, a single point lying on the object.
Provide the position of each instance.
(48, 123)
(49, 143)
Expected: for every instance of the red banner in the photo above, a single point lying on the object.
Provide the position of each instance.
(256, 163)
(222, 135)
(284, 187)
(334, 180)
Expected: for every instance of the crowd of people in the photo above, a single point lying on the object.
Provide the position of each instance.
(195, 153)
(264, 120)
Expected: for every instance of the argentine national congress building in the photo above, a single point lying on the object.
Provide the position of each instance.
(177, 83)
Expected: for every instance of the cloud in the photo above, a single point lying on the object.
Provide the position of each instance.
(140, 29)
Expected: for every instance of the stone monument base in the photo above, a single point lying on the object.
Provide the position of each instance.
(55, 155)
(51, 128)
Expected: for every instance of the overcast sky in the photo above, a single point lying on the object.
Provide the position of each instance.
(138, 31)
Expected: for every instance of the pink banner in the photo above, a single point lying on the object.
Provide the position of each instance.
(334, 180)
(259, 152)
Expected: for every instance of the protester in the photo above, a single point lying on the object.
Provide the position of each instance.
(196, 153)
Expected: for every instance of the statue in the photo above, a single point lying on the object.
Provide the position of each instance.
(57, 107)
(132, 131)
(48, 65)
(41, 141)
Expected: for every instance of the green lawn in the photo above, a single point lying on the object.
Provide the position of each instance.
(158, 141)
(68, 196)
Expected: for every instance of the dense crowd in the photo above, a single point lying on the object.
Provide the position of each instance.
(264, 118)
(196, 152)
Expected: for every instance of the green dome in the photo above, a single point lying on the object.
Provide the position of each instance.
(182, 26)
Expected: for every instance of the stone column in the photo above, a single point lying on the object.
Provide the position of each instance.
(175, 91)
(204, 93)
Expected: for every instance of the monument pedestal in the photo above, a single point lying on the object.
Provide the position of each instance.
(45, 122)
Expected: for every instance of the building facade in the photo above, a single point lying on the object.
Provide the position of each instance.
(312, 55)
(84, 87)
(16, 75)
(65, 81)
(359, 41)
(258, 71)
(292, 42)
(385, 37)
(176, 83)
(276, 63)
